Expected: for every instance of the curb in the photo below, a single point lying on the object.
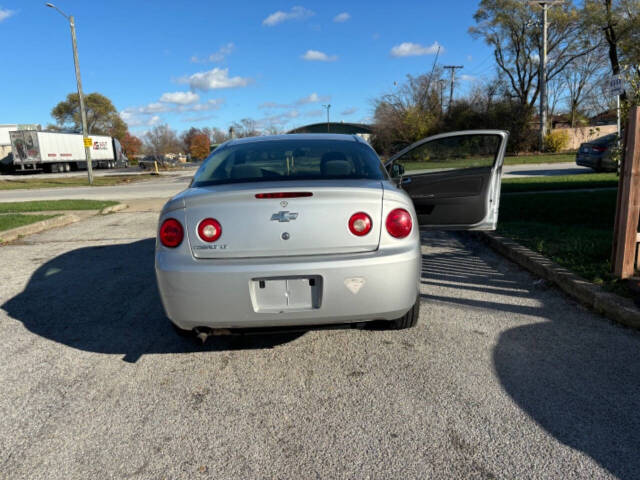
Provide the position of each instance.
(113, 208)
(612, 306)
(37, 227)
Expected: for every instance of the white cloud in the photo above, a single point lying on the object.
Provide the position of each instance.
(408, 49)
(296, 13)
(314, 113)
(181, 98)
(341, 17)
(212, 104)
(213, 79)
(218, 56)
(311, 98)
(318, 56)
(349, 111)
(467, 78)
(4, 14)
(135, 119)
(147, 115)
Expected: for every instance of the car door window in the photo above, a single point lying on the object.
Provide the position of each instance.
(452, 153)
(454, 178)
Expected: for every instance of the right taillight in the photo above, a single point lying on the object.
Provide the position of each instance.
(598, 149)
(171, 233)
(399, 223)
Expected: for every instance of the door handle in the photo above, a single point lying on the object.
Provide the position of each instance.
(405, 180)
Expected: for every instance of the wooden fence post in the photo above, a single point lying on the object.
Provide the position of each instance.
(625, 231)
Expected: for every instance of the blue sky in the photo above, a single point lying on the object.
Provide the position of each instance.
(208, 63)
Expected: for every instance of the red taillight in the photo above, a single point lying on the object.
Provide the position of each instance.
(360, 224)
(171, 233)
(284, 195)
(209, 230)
(596, 148)
(399, 223)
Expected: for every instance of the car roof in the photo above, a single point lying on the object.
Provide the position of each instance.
(297, 136)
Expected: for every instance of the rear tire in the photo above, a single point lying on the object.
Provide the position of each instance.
(409, 319)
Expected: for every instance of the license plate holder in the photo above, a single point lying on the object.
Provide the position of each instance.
(279, 294)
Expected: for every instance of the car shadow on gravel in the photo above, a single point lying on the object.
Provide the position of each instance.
(104, 299)
(576, 375)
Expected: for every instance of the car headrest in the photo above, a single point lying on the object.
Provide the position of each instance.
(337, 168)
(245, 171)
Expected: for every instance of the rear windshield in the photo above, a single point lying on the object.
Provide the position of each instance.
(276, 160)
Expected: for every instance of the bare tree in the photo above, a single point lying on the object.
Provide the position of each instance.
(160, 141)
(247, 127)
(580, 80)
(511, 28)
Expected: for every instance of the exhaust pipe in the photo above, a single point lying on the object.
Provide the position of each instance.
(205, 332)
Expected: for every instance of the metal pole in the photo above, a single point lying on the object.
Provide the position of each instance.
(83, 113)
(618, 116)
(543, 79)
(328, 106)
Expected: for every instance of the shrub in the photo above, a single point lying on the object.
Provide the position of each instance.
(556, 141)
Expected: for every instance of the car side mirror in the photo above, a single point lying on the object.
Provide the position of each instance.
(397, 170)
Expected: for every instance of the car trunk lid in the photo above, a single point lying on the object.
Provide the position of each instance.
(313, 224)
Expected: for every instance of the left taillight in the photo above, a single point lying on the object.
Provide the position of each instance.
(171, 233)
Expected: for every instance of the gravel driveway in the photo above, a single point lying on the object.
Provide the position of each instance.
(504, 377)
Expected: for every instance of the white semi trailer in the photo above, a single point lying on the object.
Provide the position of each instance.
(61, 152)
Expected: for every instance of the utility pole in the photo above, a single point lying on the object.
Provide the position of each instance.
(442, 82)
(542, 75)
(453, 76)
(83, 113)
(327, 106)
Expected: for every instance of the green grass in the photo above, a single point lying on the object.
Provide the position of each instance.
(54, 205)
(14, 220)
(546, 158)
(560, 182)
(514, 160)
(44, 182)
(574, 229)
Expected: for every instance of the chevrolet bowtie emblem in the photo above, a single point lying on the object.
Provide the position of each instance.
(284, 216)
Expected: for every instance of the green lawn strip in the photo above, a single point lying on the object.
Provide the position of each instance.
(559, 182)
(54, 205)
(44, 182)
(516, 160)
(531, 159)
(14, 220)
(574, 229)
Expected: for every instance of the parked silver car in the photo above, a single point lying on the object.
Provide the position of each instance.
(313, 229)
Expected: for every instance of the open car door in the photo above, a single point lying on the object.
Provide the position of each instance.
(453, 178)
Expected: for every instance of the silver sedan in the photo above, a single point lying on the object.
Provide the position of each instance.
(315, 229)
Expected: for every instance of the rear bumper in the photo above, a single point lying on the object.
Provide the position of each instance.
(216, 293)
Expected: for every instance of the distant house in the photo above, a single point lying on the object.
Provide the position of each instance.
(608, 117)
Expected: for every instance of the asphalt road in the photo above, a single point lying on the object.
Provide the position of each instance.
(504, 377)
(169, 185)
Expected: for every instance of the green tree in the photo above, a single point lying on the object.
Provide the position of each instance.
(102, 116)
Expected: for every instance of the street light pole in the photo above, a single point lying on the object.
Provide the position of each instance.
(83, 113)
(327, 106)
